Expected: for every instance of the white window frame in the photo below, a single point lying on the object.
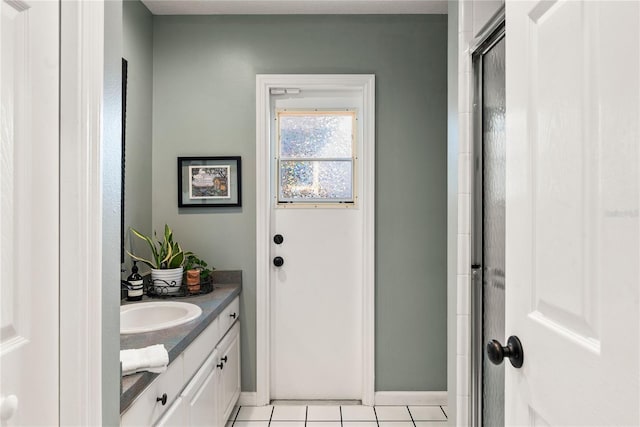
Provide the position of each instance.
(353, 159)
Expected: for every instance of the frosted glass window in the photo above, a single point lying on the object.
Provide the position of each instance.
(316, 135)
(316, 156)
(328, 180)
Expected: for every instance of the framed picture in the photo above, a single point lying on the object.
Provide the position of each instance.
(209, 182)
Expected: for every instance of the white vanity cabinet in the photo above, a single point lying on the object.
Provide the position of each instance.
(207, 372)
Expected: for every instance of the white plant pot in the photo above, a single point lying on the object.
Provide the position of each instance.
(167, 281)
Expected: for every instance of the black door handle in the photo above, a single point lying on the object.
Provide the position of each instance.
(162, 399)
(278, 239)
(278, 261)
(513, 351)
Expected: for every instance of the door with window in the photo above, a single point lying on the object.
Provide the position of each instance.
(572, 221)
(317, 255)
(29, 212)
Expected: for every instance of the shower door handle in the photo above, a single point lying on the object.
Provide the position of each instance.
(513, 351)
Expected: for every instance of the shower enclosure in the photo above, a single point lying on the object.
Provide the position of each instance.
(488, 252)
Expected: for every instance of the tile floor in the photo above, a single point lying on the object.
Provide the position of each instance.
(338, 416)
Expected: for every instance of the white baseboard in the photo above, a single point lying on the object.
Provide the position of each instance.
(248, 398)
(410, 398)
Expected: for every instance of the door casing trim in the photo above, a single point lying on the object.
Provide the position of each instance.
(264, 84)
(81, 212)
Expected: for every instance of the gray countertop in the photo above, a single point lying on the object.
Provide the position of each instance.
(227, 286)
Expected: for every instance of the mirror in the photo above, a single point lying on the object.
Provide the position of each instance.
(137, 98)
(136, 158)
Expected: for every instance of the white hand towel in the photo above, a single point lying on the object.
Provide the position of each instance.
(153, 359)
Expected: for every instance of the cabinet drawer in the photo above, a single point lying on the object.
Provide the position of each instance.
(229, 315)
(201, 347)
(146, 409)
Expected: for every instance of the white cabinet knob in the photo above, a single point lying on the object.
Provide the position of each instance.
(8, 407)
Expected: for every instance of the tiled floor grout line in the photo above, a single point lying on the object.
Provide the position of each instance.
(411, 415)
(236, 416)
(306, 415)
(445, 414)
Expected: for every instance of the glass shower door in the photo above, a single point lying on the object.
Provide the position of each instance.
(493, 228)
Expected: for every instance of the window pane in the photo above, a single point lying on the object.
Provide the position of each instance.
(324, 135)
(315, 180)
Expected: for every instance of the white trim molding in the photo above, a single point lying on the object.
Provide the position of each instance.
(248, 398)
(264, 84)
(411, 398)
(81, 99)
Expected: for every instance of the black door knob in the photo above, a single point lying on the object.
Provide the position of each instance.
(278, 261)
(513, 351)
(278, 239)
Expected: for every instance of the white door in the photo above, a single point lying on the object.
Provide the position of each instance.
(29, 70)
(316, 294)
(572, 225)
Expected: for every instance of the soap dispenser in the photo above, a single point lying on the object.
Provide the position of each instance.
(135, 280)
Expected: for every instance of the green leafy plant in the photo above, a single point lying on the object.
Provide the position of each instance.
(192, 262)
(166, 253)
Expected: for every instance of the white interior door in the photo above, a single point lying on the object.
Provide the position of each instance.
(316, 294)
(29, 194)
(572, 225)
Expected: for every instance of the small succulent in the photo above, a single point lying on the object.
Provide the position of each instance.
(192, 262)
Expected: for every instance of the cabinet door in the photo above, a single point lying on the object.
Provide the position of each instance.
(202, 394)
(203, 405)
(229, 357)
(175, 416)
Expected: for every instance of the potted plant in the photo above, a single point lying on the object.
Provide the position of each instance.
(197, 272)
(166, 263)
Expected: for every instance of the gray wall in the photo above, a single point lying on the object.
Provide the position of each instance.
(138, 51)
(110, 158)
(204, 104)
(452, 208)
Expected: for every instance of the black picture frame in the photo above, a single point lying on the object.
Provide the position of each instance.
(209, 182)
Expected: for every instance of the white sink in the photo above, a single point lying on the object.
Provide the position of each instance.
(155, 315)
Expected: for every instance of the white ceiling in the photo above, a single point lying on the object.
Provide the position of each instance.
(308, 7)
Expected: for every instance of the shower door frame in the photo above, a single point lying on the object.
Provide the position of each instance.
(491, 34)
